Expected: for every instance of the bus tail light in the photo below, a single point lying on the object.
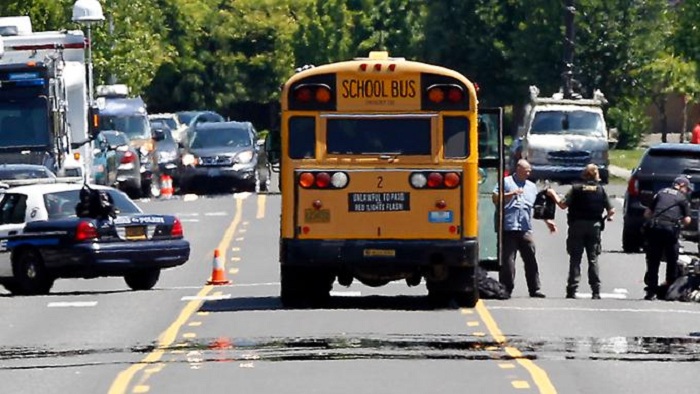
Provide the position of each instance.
(323, 180)
(323, 95)
(435, 180)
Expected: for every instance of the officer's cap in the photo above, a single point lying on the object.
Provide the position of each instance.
(682, 181)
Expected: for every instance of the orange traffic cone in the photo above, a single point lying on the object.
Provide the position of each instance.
(218, 275)
(166, 186)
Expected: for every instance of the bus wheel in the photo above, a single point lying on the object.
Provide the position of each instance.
(459, 289)
(304, 287)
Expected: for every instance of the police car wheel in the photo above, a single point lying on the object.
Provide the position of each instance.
(30, 274)
(142, 279)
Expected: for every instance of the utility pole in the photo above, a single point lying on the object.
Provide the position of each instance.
(569, 42)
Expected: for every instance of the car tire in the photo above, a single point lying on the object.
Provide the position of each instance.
(142, 279)
(30, 274)
(631, 240)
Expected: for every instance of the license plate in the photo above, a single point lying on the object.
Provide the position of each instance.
(135, 232)
(379, 253)
(317, 216)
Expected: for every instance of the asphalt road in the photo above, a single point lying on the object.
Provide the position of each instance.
(96, 336)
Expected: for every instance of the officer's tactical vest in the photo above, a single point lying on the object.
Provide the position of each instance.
(587, 202)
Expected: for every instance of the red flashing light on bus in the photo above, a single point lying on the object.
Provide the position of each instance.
(438, 93)
(307, 93)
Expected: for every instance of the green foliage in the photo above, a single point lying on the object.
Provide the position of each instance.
(631, 121)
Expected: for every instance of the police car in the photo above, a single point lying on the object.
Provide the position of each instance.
(43, 239)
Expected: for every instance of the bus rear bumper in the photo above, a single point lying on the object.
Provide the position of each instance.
(381, 253)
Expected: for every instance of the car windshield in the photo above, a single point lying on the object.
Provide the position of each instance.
(62, 204)
(134, 126)
(405, 136)
(568, 122)
(664, 161)
(116, 139)
(221, 137)
(24, 123)
(24, 173)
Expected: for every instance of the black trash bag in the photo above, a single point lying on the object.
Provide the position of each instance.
(545, 207)
(489, 288)
(95, 204)
(682, 288)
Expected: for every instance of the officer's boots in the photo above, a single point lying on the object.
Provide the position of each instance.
(596, 294)
(571, 292)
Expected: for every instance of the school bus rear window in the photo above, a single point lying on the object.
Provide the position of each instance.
(302, 137)
(358, 136)
(455, 137)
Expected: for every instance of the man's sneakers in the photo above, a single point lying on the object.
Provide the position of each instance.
(570, 293)
(595, 296)
(537, 294)
(650, 296)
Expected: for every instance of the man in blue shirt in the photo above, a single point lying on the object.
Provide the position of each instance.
(519, 196)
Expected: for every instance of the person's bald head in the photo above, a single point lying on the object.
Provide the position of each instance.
(523, 169)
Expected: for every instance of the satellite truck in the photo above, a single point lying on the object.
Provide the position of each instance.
(45, 116)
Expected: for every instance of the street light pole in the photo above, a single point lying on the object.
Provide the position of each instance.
(569, 42)
(88, 12)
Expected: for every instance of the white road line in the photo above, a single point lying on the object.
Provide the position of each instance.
(346, 294)
(189, 220)
(184, 214)
(68, 304)
(190, 197)
(617, 296)
(242, 196)
(620, 291)
(216, 214)
(206, 298)
(595, 310)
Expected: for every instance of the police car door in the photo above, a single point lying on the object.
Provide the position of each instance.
(490, 130)
(13, 209)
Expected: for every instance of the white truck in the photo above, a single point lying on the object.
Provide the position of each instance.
(44, 103)
(559, 137)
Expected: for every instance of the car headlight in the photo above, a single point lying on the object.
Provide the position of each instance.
(536, 155)
(244, 157)
(599, 156)
(189, 160)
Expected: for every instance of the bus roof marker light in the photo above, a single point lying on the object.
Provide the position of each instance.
(378, 67)
(363, 67)
(418, 180)
(339, 180)
(392, 67)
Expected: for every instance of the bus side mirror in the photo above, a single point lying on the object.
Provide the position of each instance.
(273, 147)
(93, 122)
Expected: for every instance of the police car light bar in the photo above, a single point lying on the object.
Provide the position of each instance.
(112, 91)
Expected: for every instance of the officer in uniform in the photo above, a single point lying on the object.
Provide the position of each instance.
(586, 203)
(668, 211)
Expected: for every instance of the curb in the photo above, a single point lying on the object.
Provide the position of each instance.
(619, 172)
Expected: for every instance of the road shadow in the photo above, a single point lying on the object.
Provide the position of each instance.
(372, 302)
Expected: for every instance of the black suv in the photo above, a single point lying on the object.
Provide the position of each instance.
(657, 169)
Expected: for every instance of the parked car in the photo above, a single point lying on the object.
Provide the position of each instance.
(22, 174)
(172, 121)
(221, 154)
(43, 239)
(121, 162)
(657, 169)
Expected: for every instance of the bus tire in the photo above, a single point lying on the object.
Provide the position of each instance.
(458, 290)
(304, 287)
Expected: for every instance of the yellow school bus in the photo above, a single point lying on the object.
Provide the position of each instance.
(380, 179)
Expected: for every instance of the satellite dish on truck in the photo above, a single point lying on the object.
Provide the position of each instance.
(87, 11)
